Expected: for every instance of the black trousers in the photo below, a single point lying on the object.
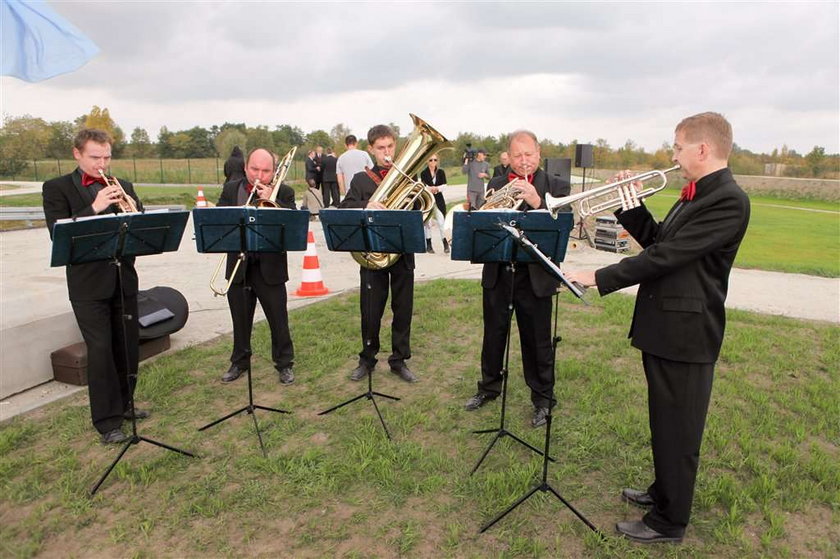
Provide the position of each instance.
(678, 399)
(110, 383)
(374, 295)
(330, 194)
(533, 317)
(243, 303)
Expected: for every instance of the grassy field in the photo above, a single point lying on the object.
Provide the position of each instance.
(333, 486)
(801, 236)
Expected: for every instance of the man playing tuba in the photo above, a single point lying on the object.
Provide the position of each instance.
(374, 283)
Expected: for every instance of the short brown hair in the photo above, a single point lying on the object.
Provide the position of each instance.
(380, 131)
(95, 135)
(711, 128)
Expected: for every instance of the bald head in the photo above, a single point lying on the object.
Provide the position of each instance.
(524, 152)
(260, 166)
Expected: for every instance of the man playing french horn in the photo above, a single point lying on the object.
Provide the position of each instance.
(375, 282)
(266, 274)
(533, 289)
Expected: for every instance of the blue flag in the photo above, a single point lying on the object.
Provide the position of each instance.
(38, 44)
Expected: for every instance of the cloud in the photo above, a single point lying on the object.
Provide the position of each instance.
(599, 70)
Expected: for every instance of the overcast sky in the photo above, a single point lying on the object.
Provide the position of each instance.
(567, 71)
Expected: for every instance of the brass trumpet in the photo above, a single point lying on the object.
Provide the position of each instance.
(125, 203)
(620, 194)
(271, 202)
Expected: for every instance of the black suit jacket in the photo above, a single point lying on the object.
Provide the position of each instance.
(273, 265)
(311, 168)
(361, 189)
(683, 272)
(65, 197)
(328, 167)
(501, 171)
(543, 284)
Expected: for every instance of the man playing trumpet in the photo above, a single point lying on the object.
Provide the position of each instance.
(266, 273)
(533, 289)
(679, 319)
(94, 288)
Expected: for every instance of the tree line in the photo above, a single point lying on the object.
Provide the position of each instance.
(25, 139)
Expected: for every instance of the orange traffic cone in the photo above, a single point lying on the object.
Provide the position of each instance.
(200, 200)
(311, 284)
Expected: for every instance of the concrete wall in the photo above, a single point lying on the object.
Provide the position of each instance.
(25, 351)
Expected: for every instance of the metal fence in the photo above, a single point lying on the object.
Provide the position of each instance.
(153, 171)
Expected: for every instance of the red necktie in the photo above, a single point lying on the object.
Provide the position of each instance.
(688, 192)
(88, 180)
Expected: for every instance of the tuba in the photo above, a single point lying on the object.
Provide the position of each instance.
(399, 191)
(125, 203)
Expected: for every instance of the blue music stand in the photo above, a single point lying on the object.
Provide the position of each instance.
(247, 229)
(114, 237)
(362, 230)
(510, 236)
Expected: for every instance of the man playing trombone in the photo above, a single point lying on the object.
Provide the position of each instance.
(679, 319)
(266, 273)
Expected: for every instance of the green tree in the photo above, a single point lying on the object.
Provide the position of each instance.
(318, 138)
(141, 145)
(260, 137)
(61, 139)
(815, 159)
(227, 139)
(337, 134)
(101, 118)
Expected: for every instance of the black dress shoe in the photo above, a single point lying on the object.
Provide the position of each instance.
(404, 373)
(540, 415)
(635, 497)
(286, 375)
(114, 436)
(638, 531)
(138, 414)
(233, 373)
(477, 401)
(360, 372)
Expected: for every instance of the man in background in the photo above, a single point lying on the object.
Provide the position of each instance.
(477, 170)
(350, 163)
(330, 185)
(503, 168)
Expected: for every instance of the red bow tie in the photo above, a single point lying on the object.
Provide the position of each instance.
(249, 188)
(383, 172)
(688, 191)
(514, 176)
(88, 180)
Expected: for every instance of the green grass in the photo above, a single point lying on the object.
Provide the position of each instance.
(780, 238)
(769, 480)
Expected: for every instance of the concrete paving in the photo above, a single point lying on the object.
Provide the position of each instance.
(33, 296)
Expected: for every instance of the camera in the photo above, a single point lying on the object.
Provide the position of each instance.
(469, 153)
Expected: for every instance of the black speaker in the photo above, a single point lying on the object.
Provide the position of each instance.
(561, 168)
(583, 156)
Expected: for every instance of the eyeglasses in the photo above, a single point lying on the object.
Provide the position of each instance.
(431, 160)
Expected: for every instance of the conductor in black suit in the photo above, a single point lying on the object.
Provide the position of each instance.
(330, 184)
(266, 274)
(375, 283)
(679, 319)
(533, 289)
(94, 288)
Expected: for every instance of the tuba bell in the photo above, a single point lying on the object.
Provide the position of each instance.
(399, 191)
